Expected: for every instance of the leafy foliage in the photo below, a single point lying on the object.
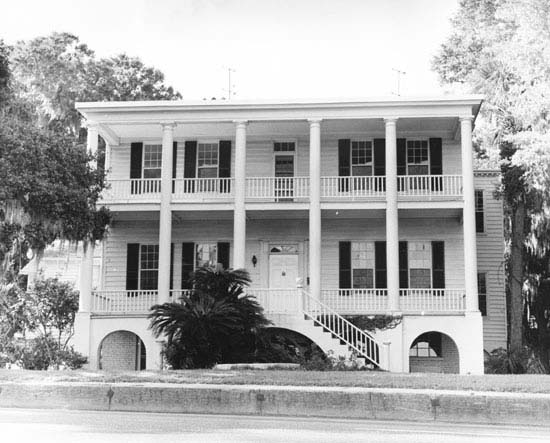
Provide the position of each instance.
(216, 322)
(373, 323)
(500, 48)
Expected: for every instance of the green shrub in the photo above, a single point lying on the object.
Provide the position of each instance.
(502, 361)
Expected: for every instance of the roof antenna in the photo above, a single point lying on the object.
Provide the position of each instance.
(230, 85)
(399, 74)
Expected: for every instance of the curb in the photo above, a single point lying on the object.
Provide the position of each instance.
(345, 403)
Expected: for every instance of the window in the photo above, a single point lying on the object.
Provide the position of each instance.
(207, 160)
(420, 264)
(284, 147)
(206, 254)
(418, 157)
(148, 267)
(482, 292)
(152, 161)
(362, 264)
(422, 349)
(361, 158)
(480, 219)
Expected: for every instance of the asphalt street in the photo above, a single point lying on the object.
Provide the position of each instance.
(32, 425)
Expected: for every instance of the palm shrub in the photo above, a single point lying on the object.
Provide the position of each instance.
(217, 322)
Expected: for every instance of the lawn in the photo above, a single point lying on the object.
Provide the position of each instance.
(367, 379)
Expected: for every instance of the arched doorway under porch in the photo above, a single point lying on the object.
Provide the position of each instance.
(434, 351)
(122, 351)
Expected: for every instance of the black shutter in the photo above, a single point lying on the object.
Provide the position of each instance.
(436, 164)
(381, 273)
(344, 164)
(403, 265)
(436, 156)
(223, 254)
(171, 266)
(438, 264)
(401, 156)
(190, 164)
(345, 264)
(482, 292)
(136, 154)
(379, 156)
(174, 164)
(187, 259)
(224, 167)
(132, 266)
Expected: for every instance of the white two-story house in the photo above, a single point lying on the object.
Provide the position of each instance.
(336, 208)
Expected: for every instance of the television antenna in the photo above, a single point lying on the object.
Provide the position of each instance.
(230, 86)
(399, 74)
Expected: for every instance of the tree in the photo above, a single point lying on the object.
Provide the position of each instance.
(499, 48)
(216, 323)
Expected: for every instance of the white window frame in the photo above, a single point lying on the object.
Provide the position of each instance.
(285, 153)
(143, 167)
(407, 153)
(140, 269)
(196, 245)
(373, 262)
(409, 263)
(197, 167)
(371, 163)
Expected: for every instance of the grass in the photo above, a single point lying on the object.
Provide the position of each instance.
(368, 379)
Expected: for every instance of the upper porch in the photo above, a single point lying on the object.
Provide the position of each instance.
(276, 163)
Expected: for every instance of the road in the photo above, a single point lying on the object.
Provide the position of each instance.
(31, 425)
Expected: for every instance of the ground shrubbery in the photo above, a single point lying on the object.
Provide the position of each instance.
(36, 326)
(502, 361)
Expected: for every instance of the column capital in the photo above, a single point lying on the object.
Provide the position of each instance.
(466, 118)
(390, 120)
(168, 125)
(240, 123)
(314, 121)
(90, 124)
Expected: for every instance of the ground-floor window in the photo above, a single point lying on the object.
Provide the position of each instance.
(420, 264)
(206, 254)
(149, 267)
(362, 264)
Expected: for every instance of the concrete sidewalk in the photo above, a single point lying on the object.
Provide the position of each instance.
(334, 402)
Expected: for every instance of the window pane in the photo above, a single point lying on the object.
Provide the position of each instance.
(206, 254)
(207, 154)
(361, 152)
(149, 262)
(208, 172)
(420, 278)
(284, 147)
(151, 173)
(417, 154)
(363, 278)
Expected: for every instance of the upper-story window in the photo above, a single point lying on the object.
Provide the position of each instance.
(418, 157)
(148, 267)
(207, 160)
(152, 161)
(361, 158)
(284, 147)
(480, 218)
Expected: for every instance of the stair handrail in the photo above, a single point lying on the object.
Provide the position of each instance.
(371, 348)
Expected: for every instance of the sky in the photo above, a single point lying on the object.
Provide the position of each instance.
(276, 48)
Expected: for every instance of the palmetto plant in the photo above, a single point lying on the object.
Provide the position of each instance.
(216, 322)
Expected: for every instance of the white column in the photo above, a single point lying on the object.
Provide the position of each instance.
(315, 208)
(392, 221)
(470, 247)
(239, 216)
(165, 220)
(86, 278)
(92, 139)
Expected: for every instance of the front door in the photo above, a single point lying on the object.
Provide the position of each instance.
(284, 174)
(283, 271)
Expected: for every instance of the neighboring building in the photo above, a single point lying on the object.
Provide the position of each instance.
(336, 208)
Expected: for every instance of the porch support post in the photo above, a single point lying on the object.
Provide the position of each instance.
(315, 207)
(92, 139)
(239, 216)
(392, 220)
(165, 219)
(86, 278)
(469, 222)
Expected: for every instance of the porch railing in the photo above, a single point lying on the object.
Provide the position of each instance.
(278, 301)
(353, 188)
(432, 300)
(132, 189)
(355, 301)
(277, 188)
(203, 189)
(112, 302)
(429, 186)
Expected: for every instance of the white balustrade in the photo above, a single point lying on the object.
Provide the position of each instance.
(278, 301)
(355, 301)
(132, 189)
(428, 186)
(352, 188)
(203, 189)
(432, 300)
(277, 188)
(111, 302)
(177, 295)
